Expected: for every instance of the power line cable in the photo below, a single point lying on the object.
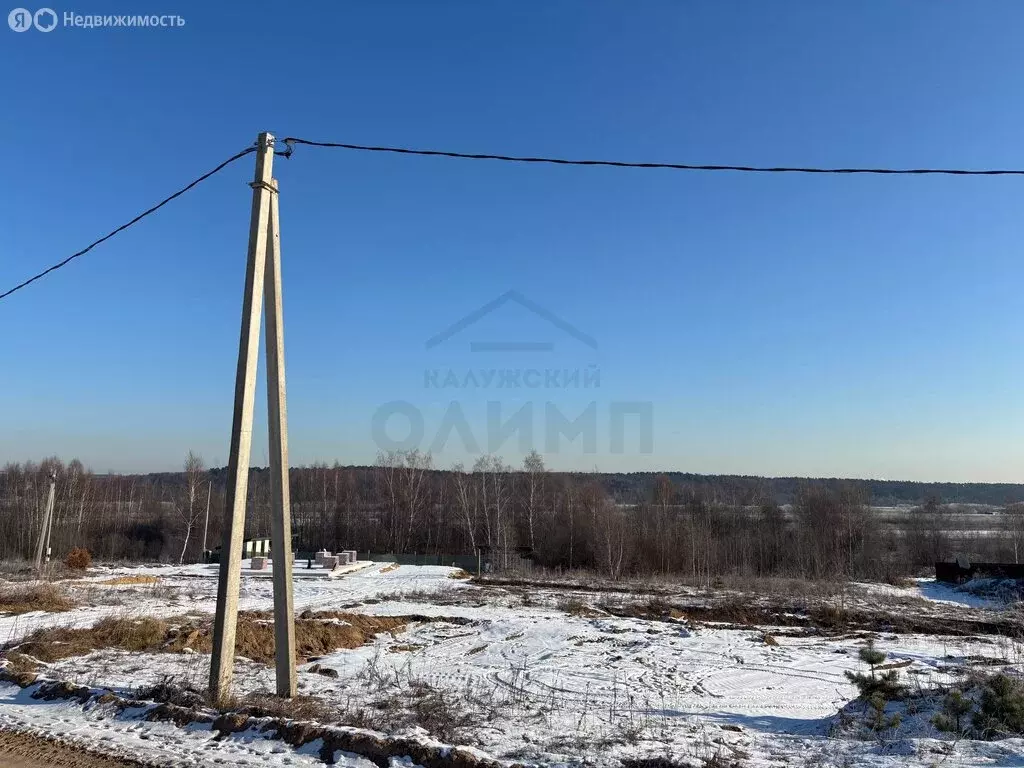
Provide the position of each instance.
(290, 141)
(137, 219)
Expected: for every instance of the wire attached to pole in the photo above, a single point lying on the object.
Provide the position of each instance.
(291, 141)
(669, 166)
(125, 226)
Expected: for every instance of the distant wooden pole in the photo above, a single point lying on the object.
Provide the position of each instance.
(226, 618)
(206, 520)
(44, 533)
(280, 495)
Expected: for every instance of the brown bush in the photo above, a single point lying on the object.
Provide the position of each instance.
(78, 559)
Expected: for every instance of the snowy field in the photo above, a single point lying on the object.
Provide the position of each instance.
(536, 673)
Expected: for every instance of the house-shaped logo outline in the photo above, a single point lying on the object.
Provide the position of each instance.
(520, 346)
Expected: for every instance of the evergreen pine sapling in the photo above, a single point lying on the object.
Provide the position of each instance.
(955, 708)
(877, 689)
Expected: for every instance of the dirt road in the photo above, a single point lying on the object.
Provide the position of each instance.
(22, 750)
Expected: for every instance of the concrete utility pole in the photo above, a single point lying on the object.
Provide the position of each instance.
(263, 257)
(44, 534)
(280, 493)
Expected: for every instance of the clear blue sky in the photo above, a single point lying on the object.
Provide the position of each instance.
(783, 325)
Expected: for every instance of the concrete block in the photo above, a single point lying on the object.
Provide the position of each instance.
(329, 563)
(259, 563)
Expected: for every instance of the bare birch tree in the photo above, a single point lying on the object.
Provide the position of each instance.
(188, 509)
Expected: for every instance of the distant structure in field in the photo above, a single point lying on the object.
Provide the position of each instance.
(962, 570)
(250, 548)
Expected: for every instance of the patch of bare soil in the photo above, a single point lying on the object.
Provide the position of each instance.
(22, 750)
(569, 584)
(819, 618)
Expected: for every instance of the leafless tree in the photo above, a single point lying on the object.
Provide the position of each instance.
(669, 524)
(1013, 524)
(465, 502)
(533, 467)
(188, 508)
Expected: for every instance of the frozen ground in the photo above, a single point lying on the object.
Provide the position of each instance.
(538, 674)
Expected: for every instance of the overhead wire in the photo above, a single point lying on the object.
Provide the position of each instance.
(291, 141)
(126, 225)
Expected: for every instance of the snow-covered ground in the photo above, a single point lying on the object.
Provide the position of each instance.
(534, 675)
(161, 743)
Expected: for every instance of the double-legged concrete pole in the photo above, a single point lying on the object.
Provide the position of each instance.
(262, 281)
(43, 549)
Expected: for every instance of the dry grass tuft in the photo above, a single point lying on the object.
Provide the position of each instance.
(313, 637)
(55, 643)
(118, 581)
(389, 568)
(575, 606)
(23, 598)
(20, 664)
(443, 714)
(254, 638)
(653, 762)
(406, 648)
(171, 691)
(296, 708)
(459, 574)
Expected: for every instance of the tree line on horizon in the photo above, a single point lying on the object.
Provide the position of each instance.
(696, 526)
(746, 489)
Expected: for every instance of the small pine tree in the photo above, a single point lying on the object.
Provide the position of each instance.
(886, 684)
(877, 720)
(1001, 709)
(871, 655)
(877, 690)
(954, 709)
